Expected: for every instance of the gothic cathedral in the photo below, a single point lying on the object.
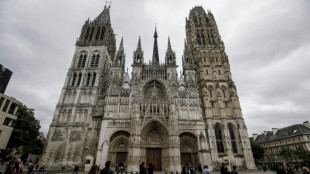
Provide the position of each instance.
(154, 114)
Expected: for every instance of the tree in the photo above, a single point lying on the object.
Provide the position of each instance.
(258, 151)
(286, 154)
(303, 154)
(25, 133)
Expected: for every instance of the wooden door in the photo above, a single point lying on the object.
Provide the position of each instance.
(154, 155)
(120, 158)
(185, 158)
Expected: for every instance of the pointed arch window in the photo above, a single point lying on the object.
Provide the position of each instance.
(232, 139)
(82, 60)
(95, 60)
(94, 79)
(210, 91)
(79, 79)
(73, 79)
(102, 33)
(219, 139)
(88, 79)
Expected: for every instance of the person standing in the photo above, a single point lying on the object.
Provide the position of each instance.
(223, 169)
(107, 169)
(142, 168)
(151, 168)
(76, 169)
(280, 170)
(206, 170)
(199, 169)
(234, 171)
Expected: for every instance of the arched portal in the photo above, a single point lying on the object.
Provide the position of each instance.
(118, 149)
(189, 149)
(154, 139)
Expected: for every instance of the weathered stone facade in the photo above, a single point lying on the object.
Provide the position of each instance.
(105, 114)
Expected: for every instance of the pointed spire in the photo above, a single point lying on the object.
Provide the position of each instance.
(155, 33)
(139, 43)
(121, 44)
(169, 45)
(155, 59)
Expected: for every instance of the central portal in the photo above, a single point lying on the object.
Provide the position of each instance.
(154, 155)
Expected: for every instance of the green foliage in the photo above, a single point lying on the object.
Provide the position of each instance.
(258, 151)
(303, 154)
(286, 153)
(25, 133)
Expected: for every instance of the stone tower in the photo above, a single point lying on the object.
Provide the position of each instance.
(74, 131)
(154, 115)
(225, 126)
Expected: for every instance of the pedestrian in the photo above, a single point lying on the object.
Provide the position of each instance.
(226, 171)
(234, 171)
(206, 170)
(20, 170)
(305, 170)
(199, 169)
(93, 170)
(151, 168)
(107, 169)
(223, 169)
(10, 168)
(264, 168)
(290, 171)
(142, 168)
(76, 169)
(30, 169)
(280, 170)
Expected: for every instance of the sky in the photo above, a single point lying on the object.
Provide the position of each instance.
(267, 43)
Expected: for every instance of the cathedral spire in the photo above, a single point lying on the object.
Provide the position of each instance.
(119, 59)
(139, 43)
(155, 59)
(138, 54)
(169, 45)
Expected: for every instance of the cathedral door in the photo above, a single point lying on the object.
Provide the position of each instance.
(185, 158)
(154, 155)
(120, 158)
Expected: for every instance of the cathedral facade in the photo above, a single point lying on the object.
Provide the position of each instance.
(154, 114)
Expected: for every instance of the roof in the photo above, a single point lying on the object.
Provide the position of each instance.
(104, 16)
(297, 129)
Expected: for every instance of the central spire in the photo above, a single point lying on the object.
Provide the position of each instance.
(155, 59)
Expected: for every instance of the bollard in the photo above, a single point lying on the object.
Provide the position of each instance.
(131, 172)
(171, 172)
(177, 172)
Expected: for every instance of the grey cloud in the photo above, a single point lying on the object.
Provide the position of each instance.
(267, 43)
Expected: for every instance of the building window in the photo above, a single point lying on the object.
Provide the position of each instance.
(79, 79)
(88, 79)
(5, 107)
(82, 61)
(1, 101)
(293, 139)
(73, 79)
(12, 108)
(94, 79)
(232, 139)
(298, 138)
(7, 122)
(219, 139)
(95, 60)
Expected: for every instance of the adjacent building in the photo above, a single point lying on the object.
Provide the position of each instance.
(154, 114)
(291, 137)
(8, 109)
(5, 76)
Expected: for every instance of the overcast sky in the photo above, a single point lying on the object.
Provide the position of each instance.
(267, 42)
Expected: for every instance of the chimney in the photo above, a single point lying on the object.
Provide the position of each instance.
(274, 131)
(265, 132)
(254, 136)
(306, 123)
